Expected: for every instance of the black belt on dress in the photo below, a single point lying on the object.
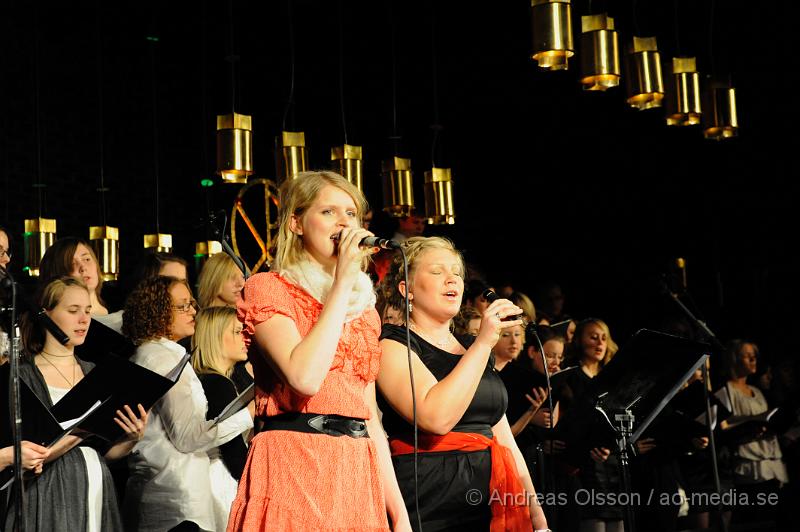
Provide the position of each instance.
(330, 424)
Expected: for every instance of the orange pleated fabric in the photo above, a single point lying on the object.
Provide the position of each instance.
(296, 481)
(507, 495)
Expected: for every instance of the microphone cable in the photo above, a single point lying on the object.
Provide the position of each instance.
(413, 391)
(550, 472)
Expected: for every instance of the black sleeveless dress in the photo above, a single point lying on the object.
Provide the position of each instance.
(449, 482)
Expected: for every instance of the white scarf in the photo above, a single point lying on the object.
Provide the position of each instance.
(313, 279)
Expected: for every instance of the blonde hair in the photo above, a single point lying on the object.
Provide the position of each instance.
(296, 196)
(216, 271)
(414, 248)
(207, 347)
(524, 302)
(575, 349)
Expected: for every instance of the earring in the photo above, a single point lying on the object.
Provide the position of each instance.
(410, 307)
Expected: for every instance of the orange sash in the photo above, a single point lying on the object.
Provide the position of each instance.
(507, 497)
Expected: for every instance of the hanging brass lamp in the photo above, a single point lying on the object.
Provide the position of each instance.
(234, 147)
(645, 80)
(349, 163)
(684, 107)
(40, 234)
(599, 53)
(293, 148)
(203, 250)
(398, 187)
(552, 33)
(721, 119)
(105, 242)
(439, 206)
(161, 242)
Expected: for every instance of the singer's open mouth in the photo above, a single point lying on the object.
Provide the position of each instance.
(336, 236)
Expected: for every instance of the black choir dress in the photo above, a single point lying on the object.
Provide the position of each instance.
(445, 478)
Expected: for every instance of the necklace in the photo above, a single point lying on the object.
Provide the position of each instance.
(426, 336)
(71, 383)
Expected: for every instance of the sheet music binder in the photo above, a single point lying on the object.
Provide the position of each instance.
(122, 382)
(239, 402)
(102, 341)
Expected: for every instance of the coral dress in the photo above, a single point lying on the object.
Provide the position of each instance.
(300, 481)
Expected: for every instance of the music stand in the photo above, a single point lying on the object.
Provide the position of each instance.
(637, 384)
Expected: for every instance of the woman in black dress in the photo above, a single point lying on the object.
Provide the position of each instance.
(465, 442)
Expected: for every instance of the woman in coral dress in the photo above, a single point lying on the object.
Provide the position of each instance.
(321, 460)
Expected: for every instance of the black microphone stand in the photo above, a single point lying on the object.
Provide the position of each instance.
(15, 411)
(219, 235)
(706, 384)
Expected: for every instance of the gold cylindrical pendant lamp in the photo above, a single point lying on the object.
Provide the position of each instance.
(722, 121)
(161, 242)
(599, 53)
(40, 234)
(349, 163)
(105, 242)
(234, 147)
(398, 187)
(203, 250)
(684, 107)
(552, 33)
(439, 206)
(644, 78)
(293, 146)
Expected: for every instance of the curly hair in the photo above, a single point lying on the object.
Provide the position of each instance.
(148, 309)
(414, 247)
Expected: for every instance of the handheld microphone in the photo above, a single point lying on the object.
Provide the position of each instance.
(491, 296)
(50, 325)
(374, 241)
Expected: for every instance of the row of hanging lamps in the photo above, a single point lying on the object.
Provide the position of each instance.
(438, 189)
(552, 33)
(349, 162)
(347, 159)
(599, 53)
(40, 232)
(158, 241)
(644, 78)
(104, 238)
(234, 130)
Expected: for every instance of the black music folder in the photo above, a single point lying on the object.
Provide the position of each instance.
(117, 382)
(102, 341)
(239, 402)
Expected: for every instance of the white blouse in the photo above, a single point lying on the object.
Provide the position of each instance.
(170, 478)
(759, 460)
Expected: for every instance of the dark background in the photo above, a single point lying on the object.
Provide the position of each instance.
(552, 183)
